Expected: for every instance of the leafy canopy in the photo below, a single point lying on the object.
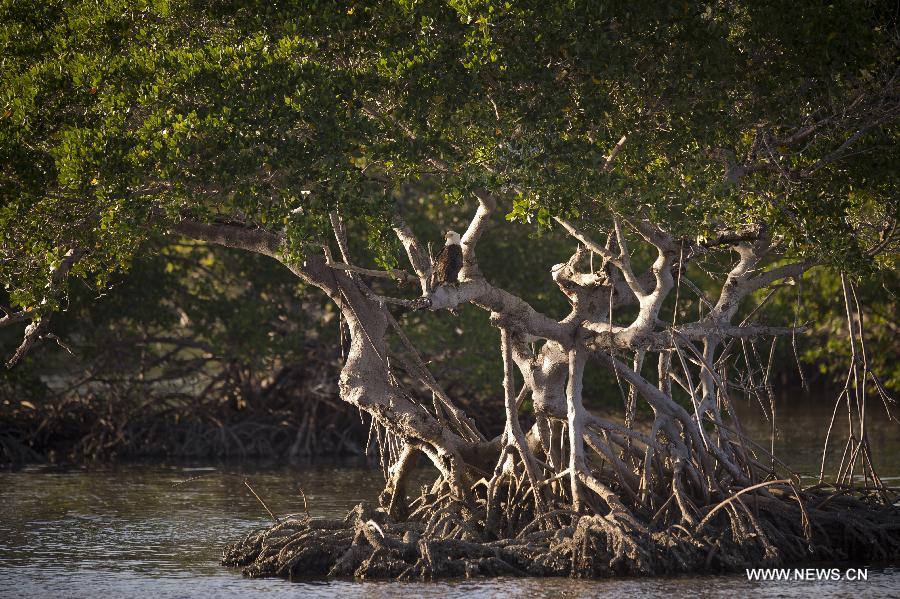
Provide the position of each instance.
(120, 117)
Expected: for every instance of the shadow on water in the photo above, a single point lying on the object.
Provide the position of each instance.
(128, 529)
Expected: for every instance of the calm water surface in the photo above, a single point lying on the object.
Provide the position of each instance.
(129, 530)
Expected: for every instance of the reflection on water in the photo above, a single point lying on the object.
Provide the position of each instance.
(128, 530)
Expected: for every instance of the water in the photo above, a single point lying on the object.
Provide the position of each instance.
(129, 530)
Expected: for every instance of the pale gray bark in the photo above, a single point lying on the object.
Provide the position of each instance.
(686, 452)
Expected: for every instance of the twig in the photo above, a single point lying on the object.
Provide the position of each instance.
(263, 503)
(768, 483)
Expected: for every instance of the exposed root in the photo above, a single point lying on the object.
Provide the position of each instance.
(750, 530)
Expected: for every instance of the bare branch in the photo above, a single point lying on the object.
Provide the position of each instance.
(340, 234)
(612, 155)
(588, 242)
(625, 261)
(254, 240)
(595, 247)
(394, 274)
(33, 332)
(794, 269)
(512, 311)
(417, 255)
(39, 327)
(653, 233)
(486, 205)
(12, 318)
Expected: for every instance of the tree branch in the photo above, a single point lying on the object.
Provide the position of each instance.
(417, 255)
(595, 247)
(39, 327)
(486, 205)
(233, 236)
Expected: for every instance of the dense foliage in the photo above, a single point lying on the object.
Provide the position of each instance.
(119, 118)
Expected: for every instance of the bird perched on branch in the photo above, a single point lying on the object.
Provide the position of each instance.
(448, 263)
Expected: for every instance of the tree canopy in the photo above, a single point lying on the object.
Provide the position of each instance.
(118, 119)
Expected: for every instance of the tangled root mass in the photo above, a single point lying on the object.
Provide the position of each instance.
(369, 544)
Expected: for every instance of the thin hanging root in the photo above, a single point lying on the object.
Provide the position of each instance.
(854, 394)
